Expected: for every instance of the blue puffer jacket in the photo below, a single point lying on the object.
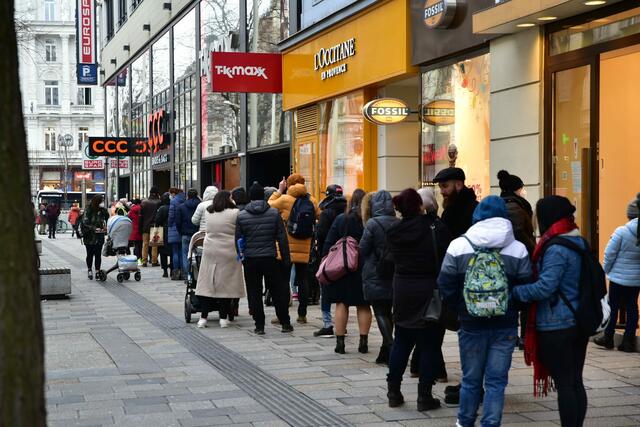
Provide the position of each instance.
(184, 213)
(559, 269)
(622, 256)
(174, 236)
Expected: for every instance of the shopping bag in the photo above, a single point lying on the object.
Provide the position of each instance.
(157, 236)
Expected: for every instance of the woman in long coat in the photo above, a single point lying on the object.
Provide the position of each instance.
(220, 277)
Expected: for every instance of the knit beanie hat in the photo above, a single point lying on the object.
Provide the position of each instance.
(552, 209)
(256, 191)
(509, 183)
(429, 202)
(490, 207)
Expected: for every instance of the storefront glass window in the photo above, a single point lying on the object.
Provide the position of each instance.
(124, 104)
(112, 108)
(161, 65)
(455, 126)
(184, 46)
(139, 112)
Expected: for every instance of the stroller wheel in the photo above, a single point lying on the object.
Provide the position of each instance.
(187, 308)
(127, 276)
(120, 277)
(137, 276)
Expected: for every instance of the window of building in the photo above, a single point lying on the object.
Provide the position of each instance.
(134, 4)
(50, 139)
(83, 137)
(84, 96)
(108, 18)
(51, 92)
(49, 10)
(122, 12)
(49, 51)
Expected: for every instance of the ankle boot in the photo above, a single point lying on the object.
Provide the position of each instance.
(628, 344)
(606, 341)
(394, 395)
(340, 344)
(383, 356)
(363, 347)
(165, 273)
(426, 401)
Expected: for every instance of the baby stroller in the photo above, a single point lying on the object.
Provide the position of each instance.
(117, 244)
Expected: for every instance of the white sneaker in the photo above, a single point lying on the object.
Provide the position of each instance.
(224, 323)
(202, 323)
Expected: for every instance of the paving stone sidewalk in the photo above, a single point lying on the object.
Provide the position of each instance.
(107, 364)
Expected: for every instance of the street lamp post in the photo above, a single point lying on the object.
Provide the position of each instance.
(65, 142)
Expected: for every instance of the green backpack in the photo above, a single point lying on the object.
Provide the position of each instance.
(486, 287)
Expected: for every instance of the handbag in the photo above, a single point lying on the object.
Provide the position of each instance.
(341, 260)
(156, 236)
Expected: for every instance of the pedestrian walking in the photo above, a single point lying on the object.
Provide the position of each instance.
(148, 210)
(261, 228)
(174, 238)
(53, 213)
(553, 343)
(42, 219)
(459, 200)
(378, 215)
(184, 225)
(220, 276)
(94, 227)
(479, 271)
(135, 239)
(416, 245)
(622, 266)
(162, 220)
(347, 291)
(199, 218)
(72, 217)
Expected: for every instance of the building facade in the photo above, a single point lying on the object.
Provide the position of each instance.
(53, 104)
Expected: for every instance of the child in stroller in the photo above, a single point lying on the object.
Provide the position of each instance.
(119, 229)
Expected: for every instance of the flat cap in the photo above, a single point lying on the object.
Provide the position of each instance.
(449, 174)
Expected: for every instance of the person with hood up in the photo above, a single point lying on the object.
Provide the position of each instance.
(135, 238)
(330, 207)
(622, 266)
(53, 213)
(378, 215)
(148, 210)
(478, 273)
(240, 197)
(199, 218)
(261, 228)
(289, 191)
(459, 200)
(162, 220)
(184, 225)
(174, 238)
(518, 208)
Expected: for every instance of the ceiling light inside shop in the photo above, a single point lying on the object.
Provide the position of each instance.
(547, 18)
(595, 2)
(526, 25)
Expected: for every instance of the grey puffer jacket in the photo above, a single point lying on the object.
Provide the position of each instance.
(261, 227)
(373, 244)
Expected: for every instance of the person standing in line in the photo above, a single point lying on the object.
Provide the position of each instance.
(289, 191)
(553, 342)
(148, 210)
(518, 208)
(416, 246)
(135, 239)
(162, 220)
(240, 197)
(622, 266)
(174, 238)
(378, 215)
(72, 217)
(478, 273)
(185, 227)
(199, 217)
(42, 219)
(53, 213)
(94, 227)
(331, 206)
(220, 276)
(261, 228)
(347, 291)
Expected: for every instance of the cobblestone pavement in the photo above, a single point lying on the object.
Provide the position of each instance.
(122, 355)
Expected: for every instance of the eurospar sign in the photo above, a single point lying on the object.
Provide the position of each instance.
(87, 71)
(246, 72)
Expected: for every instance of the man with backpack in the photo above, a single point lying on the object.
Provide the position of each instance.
(479, 271)
(299, 211)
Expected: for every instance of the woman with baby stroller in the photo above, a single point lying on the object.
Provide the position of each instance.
(94, 224)
(119, 228)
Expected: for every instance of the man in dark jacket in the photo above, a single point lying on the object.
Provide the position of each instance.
(148, 210)
(518, 208)
(459, 200)
(260, 226)
(53, 213)
(185, 227)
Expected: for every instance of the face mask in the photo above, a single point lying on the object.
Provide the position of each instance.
(522, 192)
(101, 205)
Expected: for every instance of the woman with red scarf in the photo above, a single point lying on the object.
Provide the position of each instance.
(553, 344)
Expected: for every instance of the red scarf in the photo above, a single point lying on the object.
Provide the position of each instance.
(541, 378)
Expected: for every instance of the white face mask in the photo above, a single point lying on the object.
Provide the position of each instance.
(101, 205)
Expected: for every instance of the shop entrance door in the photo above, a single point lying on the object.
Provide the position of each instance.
(162, 180)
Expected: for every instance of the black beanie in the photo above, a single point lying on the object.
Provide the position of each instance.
(552, 209)
(509, 183)
(256, 191)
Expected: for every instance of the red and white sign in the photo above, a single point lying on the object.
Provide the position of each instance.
(83, 175)
(93, 164)
(86, 32)
(113, 164)
(246, 72)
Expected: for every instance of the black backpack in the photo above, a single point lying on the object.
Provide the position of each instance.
(590, 318)
(302, 218)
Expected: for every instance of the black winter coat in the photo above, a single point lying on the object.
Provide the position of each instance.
(458, 216)
(261, 227)
(411, 249)
(331, 207)
(162, 220)
(521, 217)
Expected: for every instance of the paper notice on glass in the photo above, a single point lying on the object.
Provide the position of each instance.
(576, 176)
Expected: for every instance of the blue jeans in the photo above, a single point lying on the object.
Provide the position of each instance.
(185, 253)
(485, 356)
(325, 307)
(176, 255)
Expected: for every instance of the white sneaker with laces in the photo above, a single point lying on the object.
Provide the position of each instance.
(202, 323)
(224, 323)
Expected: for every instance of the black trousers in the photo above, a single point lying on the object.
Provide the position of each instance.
(426, 341)
(269, 269)
(441, 369)
(208, 304)
(565, 367)
(94, 252)
(165, 261)
(302, 283)
(52, 227)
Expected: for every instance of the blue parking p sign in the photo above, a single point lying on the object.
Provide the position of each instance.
(87, 74)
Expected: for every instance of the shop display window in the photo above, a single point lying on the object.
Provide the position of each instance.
(455, 121)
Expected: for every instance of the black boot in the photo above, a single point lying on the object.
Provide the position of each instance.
(383, 356)
(386, 330)
(426, 401)
(606, 341)
(394, 395)
(340, 344)
(363, 347)
(628, 344)
(165, 273)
